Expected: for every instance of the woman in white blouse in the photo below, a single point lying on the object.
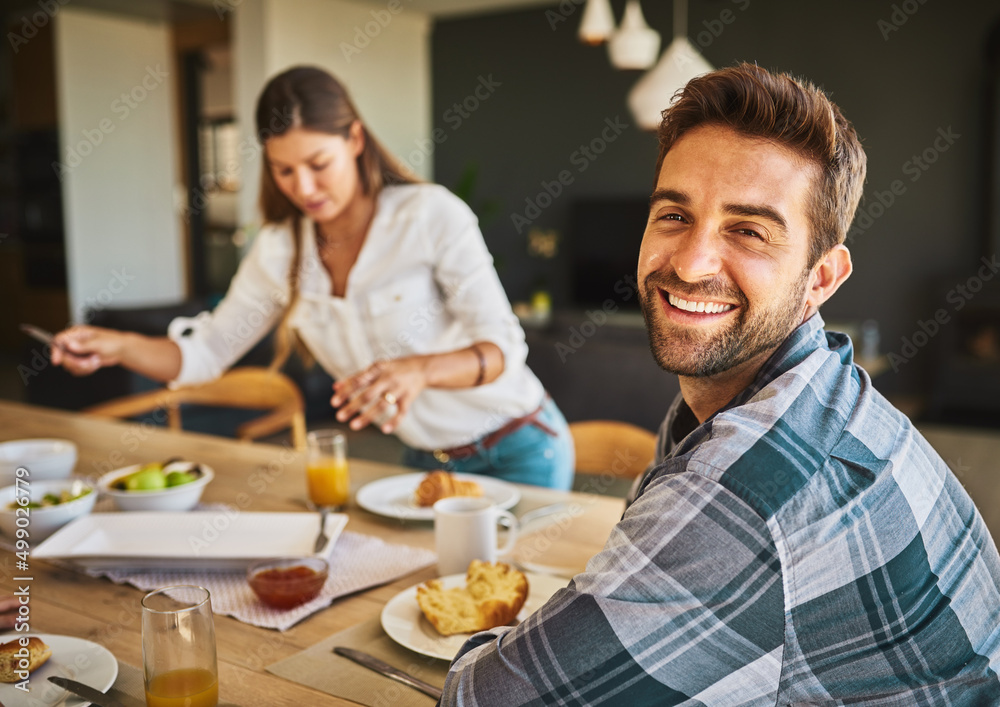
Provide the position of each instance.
(385, 281)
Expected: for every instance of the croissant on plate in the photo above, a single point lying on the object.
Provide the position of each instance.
(441, 484)
(492, 596)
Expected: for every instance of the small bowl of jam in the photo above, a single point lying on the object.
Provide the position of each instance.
(287, 582)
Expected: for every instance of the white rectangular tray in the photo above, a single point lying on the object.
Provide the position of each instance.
(206, 540)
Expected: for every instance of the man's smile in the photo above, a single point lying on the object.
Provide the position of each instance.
(706, 306)
(690, 310)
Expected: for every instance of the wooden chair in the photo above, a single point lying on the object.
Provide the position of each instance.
(610, 446)
(247, 387)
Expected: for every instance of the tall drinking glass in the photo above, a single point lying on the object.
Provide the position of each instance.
(326, 469)
(178, 648)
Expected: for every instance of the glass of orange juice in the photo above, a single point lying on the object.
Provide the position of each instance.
(178, 648)
(326, 469)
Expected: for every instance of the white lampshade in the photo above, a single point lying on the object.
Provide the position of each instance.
(653, 93)
(598, 22)
(635, 45)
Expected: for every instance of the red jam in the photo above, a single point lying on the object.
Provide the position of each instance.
(288, 587)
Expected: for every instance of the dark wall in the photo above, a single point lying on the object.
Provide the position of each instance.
(902, 84)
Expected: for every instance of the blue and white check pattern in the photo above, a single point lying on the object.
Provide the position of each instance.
(804, 546)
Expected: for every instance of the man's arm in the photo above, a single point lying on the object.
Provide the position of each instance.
(684, 600)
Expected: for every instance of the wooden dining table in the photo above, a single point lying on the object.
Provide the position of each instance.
(259, 478)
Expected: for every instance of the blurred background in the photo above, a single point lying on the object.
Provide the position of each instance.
(129, 168)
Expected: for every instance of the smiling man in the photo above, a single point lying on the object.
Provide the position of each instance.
(797, 541)
(726, 267)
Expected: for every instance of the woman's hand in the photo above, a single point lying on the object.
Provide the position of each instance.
(373, 392)
(82, 349)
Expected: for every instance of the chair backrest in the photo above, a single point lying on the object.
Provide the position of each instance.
(610, 446)
(248, 387)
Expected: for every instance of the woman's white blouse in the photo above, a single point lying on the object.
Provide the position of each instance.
(423, 283)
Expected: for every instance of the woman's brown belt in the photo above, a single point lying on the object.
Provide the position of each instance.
(470, 450)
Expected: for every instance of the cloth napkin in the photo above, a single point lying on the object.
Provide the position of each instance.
(360, 561)
(321, 669)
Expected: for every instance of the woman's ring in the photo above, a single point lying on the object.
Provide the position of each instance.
(389, 398)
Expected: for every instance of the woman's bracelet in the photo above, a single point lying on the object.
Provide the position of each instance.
(482, 366)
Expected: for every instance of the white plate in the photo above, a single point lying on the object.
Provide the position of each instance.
(214, 540)
(393, 495)
(406, 624)
(73, 658)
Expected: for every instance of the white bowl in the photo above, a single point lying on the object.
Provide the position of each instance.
(173, 498)
(43, 458)
(42, 522)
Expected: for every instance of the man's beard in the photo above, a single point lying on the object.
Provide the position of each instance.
(688, 352)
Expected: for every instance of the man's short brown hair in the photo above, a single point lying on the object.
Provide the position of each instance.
(789, 112)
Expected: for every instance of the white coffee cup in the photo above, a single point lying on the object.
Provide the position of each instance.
(465, 529)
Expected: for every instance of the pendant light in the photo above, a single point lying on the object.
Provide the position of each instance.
(598, 22)
(635, 45)
(680, 63)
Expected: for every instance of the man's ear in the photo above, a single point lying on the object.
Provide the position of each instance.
(828, 274)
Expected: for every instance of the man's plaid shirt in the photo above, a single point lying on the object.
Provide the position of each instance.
(805, 545)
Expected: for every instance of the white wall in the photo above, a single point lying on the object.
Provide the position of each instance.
(250, 71)
(388, 75)
(117, 142)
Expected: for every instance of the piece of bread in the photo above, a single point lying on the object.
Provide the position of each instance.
(10, 662)
(441, 484)
(492, 596)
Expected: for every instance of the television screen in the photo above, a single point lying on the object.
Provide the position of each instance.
(603, 238)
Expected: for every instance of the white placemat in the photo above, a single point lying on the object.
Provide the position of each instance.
(357, 562)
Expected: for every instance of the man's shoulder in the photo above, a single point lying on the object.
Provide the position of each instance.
(767, 449)
(813, 421)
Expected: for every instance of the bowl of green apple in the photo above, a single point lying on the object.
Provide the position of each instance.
(173, 485)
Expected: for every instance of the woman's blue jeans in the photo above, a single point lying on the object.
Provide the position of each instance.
(527, 456)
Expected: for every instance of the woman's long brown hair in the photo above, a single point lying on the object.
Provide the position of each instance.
(310, 98)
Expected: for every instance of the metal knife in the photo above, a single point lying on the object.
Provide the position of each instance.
(92, 694)
(383, 668)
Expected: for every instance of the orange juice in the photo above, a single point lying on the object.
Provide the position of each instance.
(187, 687)
(328, 480)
